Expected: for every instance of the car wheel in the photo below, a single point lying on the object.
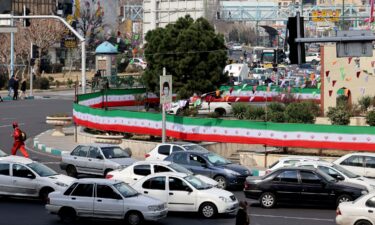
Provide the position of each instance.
(267, 200)
(343, 198)
(133, 218)
(71, 171)
(107, 171)
(314, 62)
(220, 111)
(208, 210)
(363, 222)
(43, 194)
(221, 182)
(67, 215)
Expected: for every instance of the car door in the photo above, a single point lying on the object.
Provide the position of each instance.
(205, 108)
(199, 165)
(155, 187)
(180, 195)
(108, 203)
(82, 198)
(23, 180)
(95, 161)
(313, 188)
(369, 212)
(140, 171)
(79, 158)
(370, 166)
(286, 186)
(163, 152)
(355, 164)
(6, 184)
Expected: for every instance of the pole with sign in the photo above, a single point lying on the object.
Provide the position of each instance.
(165, 97)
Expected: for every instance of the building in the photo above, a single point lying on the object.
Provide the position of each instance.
(36, 7)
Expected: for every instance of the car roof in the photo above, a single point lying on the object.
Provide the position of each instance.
(176, 174)
(99, 145)
(192, 151)
(318, 163)
(181, 143)
(296, 168)
(98, 181)
(298, 157)
(361, 154)
(159, 162)
(16, 159)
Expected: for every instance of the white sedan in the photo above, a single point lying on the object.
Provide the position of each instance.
(358, 212)
(140, 169)
(187, 193)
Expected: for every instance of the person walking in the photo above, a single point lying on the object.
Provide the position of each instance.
(16, 85)
(19, 138)
(10, 85)
(23, 89)
(242, 218)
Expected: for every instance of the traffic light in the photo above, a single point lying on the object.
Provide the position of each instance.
(293, 45)
(34, 52)
(5, 6)
(26, 22)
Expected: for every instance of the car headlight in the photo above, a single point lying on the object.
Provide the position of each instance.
(224, 199)
(61, 184)
(234, 173)
(364, 192)
(156, 207)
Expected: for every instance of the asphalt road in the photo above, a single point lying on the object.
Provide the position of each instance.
(31, 116)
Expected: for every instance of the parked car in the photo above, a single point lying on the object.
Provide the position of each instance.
(139, 62)
(187, 193)
(339, 173)
(101, 198)
(140, 169)
(362, 164)
(358, 212)
(162, 151)
(300, 185)
(94, 159)
(24, 177)
(289, 161)
(236, 47)
(226, 173)
(313, 57)
(221, 108)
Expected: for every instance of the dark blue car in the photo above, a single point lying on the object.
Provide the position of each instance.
(226, 173)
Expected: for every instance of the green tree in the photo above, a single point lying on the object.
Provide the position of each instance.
(339, 115)
(191, 52)
(299, 112)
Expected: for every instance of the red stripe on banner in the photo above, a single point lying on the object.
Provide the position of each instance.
(231, 139)
(256, 99)
(123, 103)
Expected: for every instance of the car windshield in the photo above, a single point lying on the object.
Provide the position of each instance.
(197, 183)
(345, 171)
(217, 159)
(194, 148)
(114, 152)
(41, 169)
(3, 154)
(125, 190)
(179, 169)
(327, 177)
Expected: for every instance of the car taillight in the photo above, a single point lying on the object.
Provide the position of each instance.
(108, 176)
(338, 212)
(147, 155)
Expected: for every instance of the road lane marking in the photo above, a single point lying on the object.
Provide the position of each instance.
(292, 217)
(10, 125)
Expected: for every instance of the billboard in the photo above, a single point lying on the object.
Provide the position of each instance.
(325, 15)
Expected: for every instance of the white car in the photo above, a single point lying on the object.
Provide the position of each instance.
(187, 193)
(139, 62)
(313, 57)
(358, 212)
(236, 47)
(289, 161)
(101, 198)
(221, 108)
(362, 164)
(339, 173)
(140, 169)
(162, 151)
(24, 177)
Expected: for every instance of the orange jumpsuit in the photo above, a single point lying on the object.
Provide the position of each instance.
(18, 143)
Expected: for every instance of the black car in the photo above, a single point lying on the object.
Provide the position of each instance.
(226, 173)
(300, 185)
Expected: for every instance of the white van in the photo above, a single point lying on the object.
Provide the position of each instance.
(238, 71)
(362, 164)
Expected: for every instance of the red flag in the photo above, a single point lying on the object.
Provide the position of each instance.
(350, 59)
(358, 73)
(330, 93)
(327, 73)
(333, 83)
(231, 90)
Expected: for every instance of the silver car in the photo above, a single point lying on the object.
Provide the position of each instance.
(96, 159)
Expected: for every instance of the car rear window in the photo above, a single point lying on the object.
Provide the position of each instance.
(70, 189)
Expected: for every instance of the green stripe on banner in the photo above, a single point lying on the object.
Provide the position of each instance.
(274, 87)
(88, 96)
(210, 122)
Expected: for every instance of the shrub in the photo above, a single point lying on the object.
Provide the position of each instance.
(239, 110)
(342, 101)
(365, 102)
(57, 83)
(42, 83)
(370, 118)
(275, 107)
(313, 107)
(255, 113)
(299, 112)
(355, 110)
(213, 115)
(276, 117)
(338, 115)
(69, 83)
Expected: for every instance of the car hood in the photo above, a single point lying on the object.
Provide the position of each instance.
(215, 192)
(237, 168)
(123, 161)
(350, 185)
(61, 178)
(207, 180)
(145, 200)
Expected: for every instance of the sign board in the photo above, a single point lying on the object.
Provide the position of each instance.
(355, 48)
(325, 15)
(165, 89)
(69, 42)
(8, 29)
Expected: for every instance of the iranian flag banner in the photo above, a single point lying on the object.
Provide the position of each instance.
(231, 131)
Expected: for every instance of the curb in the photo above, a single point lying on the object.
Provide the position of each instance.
(43, 148)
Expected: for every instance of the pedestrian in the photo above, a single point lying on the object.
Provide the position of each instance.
(10, 85)
(242, 218)
(19, 140)
(16, 85)
(1, 99)
(23, 89)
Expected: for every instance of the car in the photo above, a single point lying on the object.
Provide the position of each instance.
(94, 159)
(205, 108)
(140, 169)
(101, 198)
(139, 62)
(23, 177)
(289, 161)
(358, 212)
(362, 164)
(163, 150)
(313, 57)
(227, 174)
(338, 172)
(236, 47)
(300, 185)
(187, 193)
(250, 82)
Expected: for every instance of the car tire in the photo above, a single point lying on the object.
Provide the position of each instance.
(71, 171)
(133, 218)
(208, 210)
(363, 222)
(44, 192)
(314, 62)
(107, 171)
(343, 198)
(220, 111)
(67, 215)
(267, 200)
(221, 182)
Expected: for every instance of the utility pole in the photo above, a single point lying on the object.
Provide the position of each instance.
(163, 123)
(342, 15)
(11, 50)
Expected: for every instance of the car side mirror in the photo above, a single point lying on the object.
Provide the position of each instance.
(30, 175)
(339, 177)
(99, 157)
(204, 165)
(188, 189)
